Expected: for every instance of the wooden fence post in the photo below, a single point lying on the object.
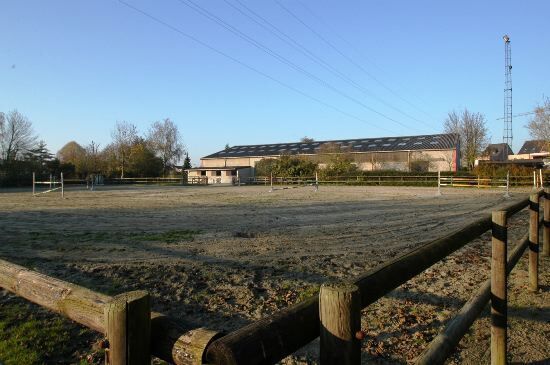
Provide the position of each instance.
(33, 183)
(534, 242)
(546, 224)
(340, 321)
(498, 289)
(128, 328)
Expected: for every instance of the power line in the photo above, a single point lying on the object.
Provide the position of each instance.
(270, 27)
(251, 68)
(349, 59)
(524, 114)
(209, 15)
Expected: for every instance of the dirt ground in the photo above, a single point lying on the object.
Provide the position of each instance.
(223, 257)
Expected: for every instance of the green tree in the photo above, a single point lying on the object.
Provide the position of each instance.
(339, 165)
(144, 162)
(186, 162)
(286, 166)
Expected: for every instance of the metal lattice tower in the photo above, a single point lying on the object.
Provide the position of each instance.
(507, 136)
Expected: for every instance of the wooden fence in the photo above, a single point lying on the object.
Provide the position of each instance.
(129, 325)
(407, 180)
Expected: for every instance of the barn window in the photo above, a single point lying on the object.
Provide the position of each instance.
(203, 173)
(218, 173)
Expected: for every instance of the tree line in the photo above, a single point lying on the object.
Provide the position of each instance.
(129, 154)
(156, 152)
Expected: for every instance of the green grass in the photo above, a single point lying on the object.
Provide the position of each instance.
(31, 336)
(171, 236)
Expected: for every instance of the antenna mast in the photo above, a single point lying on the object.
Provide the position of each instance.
(507, 137)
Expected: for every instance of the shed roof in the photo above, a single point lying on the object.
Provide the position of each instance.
(534, 146)
(495, 148)
(381, 144)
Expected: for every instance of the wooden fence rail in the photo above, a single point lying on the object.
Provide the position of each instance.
(171, 340)
(444, 344)
(271, 339)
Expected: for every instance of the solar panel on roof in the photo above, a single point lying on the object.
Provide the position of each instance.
(386, 144)
(372, 145)
(391, 140)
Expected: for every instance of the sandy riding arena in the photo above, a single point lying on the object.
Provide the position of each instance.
(223, 257)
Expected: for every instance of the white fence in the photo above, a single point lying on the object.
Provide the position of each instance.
(53, 185)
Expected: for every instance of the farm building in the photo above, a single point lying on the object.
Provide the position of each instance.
(532, 150)
(437, 152)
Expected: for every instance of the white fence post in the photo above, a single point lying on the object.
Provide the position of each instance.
(33, 183)
(507, 194)
(316, 181)
(438, 183)
(62, 187)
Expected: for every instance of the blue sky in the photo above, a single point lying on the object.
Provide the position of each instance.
(390, 67)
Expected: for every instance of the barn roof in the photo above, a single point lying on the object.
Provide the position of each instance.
(534, 146)
(381, 144)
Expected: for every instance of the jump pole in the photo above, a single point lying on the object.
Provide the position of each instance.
(534, 179)
(33, 183)
(316, 182)
(507, 194)
(541, 180)
(438, 183)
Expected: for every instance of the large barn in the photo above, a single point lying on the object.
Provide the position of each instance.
(436, 152)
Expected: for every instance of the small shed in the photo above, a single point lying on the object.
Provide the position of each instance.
(498, 152)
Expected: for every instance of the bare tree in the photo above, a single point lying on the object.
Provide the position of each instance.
(472, 131)
(93, 160)
(16, 135)
(306, 139)
(165, 140)
(124, 135)
(539, 126)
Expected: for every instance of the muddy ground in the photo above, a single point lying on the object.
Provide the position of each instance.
(223, 257)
